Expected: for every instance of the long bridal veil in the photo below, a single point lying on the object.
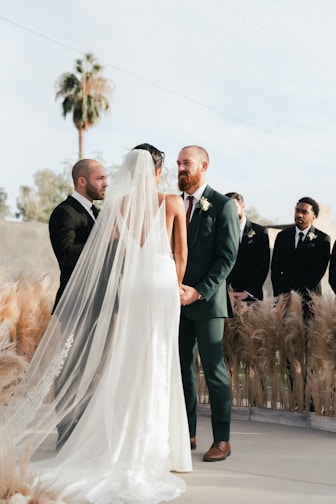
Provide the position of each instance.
(106, 376)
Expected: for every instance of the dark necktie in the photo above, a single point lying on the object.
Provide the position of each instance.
(95, 211)
(300, 241)
(190, 199)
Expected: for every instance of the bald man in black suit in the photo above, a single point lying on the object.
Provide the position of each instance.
(72, 220)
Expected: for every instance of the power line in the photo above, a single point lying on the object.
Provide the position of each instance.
(170, 91)
(328, 6)
(57, 42)
(270, 32)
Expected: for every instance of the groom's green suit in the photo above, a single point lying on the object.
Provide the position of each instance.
(213, 239)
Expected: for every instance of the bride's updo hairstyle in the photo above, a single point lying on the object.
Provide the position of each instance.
(157, 155)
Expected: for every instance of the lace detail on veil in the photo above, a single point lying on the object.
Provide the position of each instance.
(28, 400)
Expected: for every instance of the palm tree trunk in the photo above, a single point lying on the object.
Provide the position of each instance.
(80, 142)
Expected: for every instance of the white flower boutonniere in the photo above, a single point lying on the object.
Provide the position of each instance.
(251, 233)
(203, 204)
(311, 236)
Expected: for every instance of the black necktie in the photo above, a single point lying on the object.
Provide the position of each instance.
(300, 240)
(191, 199)
(95, 211)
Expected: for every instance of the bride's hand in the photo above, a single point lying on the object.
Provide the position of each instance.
(189, 295)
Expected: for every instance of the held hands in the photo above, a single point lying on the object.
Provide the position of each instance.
(188, 295)
(238, 296)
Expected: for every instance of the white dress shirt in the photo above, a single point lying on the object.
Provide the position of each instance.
(242, 225)
(197, 196)
(87, 204)
(297, 234)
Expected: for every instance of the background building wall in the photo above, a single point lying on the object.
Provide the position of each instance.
(25, 250)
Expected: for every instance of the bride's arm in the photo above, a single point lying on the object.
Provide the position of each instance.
(179, 236)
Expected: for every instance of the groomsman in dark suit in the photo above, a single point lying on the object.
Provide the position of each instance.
(72, 220)
(213, 237)
(332, 269)
(250, 271)
(301, 255)
(300, 259)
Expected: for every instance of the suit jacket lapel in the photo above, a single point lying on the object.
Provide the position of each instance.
(247, 229)
(291, 244)
(194, 225)
(79, 207)
(311, 230)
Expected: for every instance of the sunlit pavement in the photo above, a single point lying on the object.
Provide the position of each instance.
(269, 464)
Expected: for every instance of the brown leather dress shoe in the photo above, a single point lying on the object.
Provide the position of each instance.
(219, 450)
(192, 443)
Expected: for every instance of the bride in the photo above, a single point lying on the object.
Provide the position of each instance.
(106, 375)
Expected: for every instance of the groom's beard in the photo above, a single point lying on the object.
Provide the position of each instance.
(186, 181)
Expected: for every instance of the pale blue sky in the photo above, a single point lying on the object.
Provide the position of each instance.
(253, 81)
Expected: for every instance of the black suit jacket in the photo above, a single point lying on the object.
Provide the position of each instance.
(332, 268)
(251, 268)
(300, 269)
(69, 227)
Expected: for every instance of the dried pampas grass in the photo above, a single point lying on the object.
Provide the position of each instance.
(276, 359)
(12, 366)
(9, 309)
(321, 362)
(35, 299)
(18, 484)
(25, 308)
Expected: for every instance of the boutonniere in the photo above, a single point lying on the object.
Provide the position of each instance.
(203, 204)
(311, 236)
(251, 233)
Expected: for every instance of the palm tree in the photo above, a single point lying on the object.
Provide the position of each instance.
(85, 93)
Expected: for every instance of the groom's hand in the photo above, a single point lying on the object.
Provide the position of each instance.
(189, 295)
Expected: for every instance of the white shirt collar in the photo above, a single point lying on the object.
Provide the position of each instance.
(197, 194)
(304, 231)
(242, 225)
(87, 204)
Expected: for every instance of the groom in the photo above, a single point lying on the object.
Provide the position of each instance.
(213, 238)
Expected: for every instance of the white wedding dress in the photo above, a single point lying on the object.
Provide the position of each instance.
(133, 432)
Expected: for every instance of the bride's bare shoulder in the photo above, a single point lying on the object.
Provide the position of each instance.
(174, 201)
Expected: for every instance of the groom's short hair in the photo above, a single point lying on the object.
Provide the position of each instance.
(200, 149)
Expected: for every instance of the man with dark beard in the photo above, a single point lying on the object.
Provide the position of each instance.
(213, 238)
(72, 220)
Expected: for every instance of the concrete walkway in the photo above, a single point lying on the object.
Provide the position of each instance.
(269, 464)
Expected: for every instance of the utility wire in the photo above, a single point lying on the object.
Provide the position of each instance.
(328, 6)
(270, 32)
(170, 91)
